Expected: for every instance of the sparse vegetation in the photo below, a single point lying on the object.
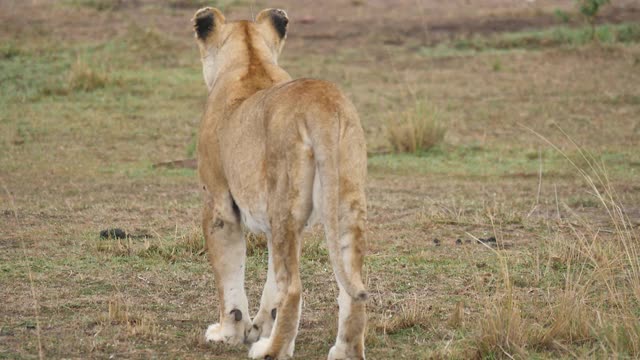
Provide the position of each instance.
(562, 15)
(416, 130)
(589, 10)
(9, 50)
(503, 333)
(88, 107)
(196, 4)
(119, 314)
(598, 303)
(99, 5)
(410, 314)
(83, 77)
(548, 38)
(191, 4)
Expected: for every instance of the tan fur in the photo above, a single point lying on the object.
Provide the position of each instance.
(272, 151)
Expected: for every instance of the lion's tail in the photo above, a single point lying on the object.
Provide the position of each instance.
(327, 157)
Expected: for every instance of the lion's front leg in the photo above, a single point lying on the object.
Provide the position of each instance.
(226, 250)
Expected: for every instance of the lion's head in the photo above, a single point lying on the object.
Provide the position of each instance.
(221, 42)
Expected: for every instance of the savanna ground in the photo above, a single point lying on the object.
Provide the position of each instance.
(94, 92)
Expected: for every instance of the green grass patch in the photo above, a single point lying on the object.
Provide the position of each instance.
(111, 5)
(98, 5)
(495, 162)
(92, 96)
(459, 161)
(537, 39)
(131, 63)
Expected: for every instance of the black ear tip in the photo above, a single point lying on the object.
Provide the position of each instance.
(203, 22)
(281, 14)
(280, 21)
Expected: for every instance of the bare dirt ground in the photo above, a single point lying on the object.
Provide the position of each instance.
(77, 159)
(334, 25)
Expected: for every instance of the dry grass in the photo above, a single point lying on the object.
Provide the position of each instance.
(568, 323)
(503, 331)
(603, 282)
(190, 4)
(99, 5)
(118, 312)
(191, 241)
(256, 244)
(82, 76)
(598, 304)
(457, 317)
(418, 129)
(85, 77)
(135, 325)
(184, 244)
(119, 247)
(411, 314)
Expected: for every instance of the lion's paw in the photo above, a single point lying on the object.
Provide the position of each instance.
(254, 334)
(336, 354)
(216, 333)
(260, 329)
(339, 353)
(260, 349)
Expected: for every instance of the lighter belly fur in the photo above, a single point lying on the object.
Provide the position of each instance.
(256, 219)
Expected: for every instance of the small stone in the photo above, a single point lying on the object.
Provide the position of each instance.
(113, 234)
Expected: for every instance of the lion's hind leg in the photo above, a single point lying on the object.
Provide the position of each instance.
(266, 316)
(290, 191)
(288, 300)
(352, 316)
(227, 253)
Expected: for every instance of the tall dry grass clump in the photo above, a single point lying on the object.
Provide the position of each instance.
(502, 331)
(135, 324)
(594, 311)
(604, 271)
(83, 77)
(417, 129)
(412, 313)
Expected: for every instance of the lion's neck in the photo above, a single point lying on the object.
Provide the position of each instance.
(257, 70)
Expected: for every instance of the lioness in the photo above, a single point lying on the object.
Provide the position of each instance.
(275, 154)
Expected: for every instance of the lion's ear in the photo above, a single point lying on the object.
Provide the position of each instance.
(278, 20)
(206, 21)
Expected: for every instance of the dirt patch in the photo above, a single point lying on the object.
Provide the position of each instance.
(436, 22)
(342, 23)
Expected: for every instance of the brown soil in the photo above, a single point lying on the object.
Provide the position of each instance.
(343, 22)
